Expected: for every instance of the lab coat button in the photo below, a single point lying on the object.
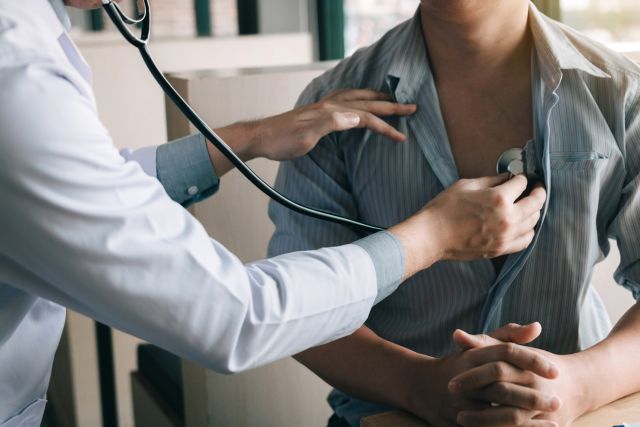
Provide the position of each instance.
(192, 191)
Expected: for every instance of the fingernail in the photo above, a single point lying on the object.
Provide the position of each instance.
(454, 386)
(352, 119)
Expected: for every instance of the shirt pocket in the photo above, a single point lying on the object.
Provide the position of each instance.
(577, 161)
(30, 416)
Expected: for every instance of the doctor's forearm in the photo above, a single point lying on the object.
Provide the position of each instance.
(613, 363)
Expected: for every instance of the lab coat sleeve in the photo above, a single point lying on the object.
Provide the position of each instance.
(84, 228)
(183, 167)
(626, 226)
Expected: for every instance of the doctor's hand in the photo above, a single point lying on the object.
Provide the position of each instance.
(515, 392)
(297, 132)
(472, 219)
(428, 393)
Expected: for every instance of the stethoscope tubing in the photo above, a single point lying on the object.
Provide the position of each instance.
(121, 21)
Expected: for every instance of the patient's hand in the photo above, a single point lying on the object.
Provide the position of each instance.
(430, 397)
(517, 391)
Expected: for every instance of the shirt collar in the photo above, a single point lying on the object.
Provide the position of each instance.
(555, 50)
(410, 65)
(61, 12)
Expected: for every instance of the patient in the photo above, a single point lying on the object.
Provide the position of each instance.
(487, 75)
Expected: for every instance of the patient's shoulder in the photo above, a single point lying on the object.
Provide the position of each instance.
(366, 68)
(601, 55)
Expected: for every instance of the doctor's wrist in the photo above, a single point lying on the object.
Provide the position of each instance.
(417, 237)
(242, 138)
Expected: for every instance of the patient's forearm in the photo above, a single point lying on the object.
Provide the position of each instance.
(614, 363)
(364, 366)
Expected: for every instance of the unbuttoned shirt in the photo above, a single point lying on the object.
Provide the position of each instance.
(586, 150)
(83, 226)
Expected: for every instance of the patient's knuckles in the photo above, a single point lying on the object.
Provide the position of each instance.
(500, 372)
(516, 417)
(501, 392)
(508, 351)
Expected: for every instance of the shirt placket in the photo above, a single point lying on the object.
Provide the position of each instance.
(545, 96)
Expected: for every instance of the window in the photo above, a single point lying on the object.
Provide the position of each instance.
(170, 18)
(609, 21)
(368, 20)
(615, 22)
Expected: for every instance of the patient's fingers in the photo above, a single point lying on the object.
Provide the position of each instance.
(512, 393)
(502, 416)
(491, 373)
(512, 332)
(522, 357)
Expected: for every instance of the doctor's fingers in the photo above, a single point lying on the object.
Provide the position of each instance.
(485, 182)
(514, 226)
(379, 108)
(324, 122)
(532, 203)
(379, 126)
(507, 193)
(510, 246)
(346, 95)
(502, 416)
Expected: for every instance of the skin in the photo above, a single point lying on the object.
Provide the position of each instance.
(586, 380)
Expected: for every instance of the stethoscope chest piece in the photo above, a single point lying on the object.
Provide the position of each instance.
(511, 161)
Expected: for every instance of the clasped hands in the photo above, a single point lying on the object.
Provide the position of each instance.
(494, 380)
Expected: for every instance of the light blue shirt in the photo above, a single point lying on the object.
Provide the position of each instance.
(83, 226)
(586, 148)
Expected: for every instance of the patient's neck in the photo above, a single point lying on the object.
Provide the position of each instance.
(477, 39)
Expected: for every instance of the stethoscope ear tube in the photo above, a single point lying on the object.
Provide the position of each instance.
(120, 20)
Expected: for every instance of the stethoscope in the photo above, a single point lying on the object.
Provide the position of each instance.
(508, 162)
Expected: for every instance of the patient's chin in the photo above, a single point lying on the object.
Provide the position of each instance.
(85, 4)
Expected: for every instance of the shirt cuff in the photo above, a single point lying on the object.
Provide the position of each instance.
(387, 255)
(145, 157)
(185, 170)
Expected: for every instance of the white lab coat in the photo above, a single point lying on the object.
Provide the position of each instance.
(81, 227)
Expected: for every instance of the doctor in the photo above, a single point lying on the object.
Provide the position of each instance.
(87, 227)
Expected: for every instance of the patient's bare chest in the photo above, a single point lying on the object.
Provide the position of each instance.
(481, 125)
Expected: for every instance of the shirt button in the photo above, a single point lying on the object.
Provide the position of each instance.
(192, 191)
